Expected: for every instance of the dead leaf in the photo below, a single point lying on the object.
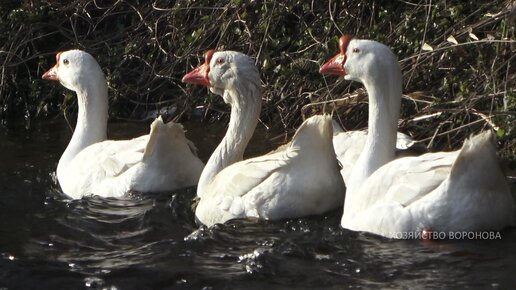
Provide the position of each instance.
(452, 39)
(418, 95)
(473, 36)
(427, 47)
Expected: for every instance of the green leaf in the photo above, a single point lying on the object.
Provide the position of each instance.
(500, 132)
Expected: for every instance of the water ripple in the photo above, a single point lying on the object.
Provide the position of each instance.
(152, 242)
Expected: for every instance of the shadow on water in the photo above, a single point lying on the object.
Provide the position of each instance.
(152, 241)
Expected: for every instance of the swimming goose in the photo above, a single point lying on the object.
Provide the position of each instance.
(161, 161)
(444, 192)
(301, 179)
(349, 144)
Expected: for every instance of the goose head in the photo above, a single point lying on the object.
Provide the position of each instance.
(76, 70)
(226, 71)
(362, 60)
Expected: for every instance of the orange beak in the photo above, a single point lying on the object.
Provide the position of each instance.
(199, 75)
(51, 74)
(335, 66)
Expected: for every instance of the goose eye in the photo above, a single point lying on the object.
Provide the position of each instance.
(65, 61)
(355, 50)
(220, 61)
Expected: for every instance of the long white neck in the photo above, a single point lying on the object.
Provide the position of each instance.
(245, 112)
(384, 107)
(91, 120)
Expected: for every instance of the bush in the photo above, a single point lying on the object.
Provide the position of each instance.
(455, 87)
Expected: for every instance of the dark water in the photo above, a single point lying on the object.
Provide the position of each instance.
(152, 242)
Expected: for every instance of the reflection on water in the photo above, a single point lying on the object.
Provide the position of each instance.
(152, 241)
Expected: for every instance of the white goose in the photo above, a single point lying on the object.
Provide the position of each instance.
(278, 185)
(349, 144)
(161, 161)
(444, 192)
